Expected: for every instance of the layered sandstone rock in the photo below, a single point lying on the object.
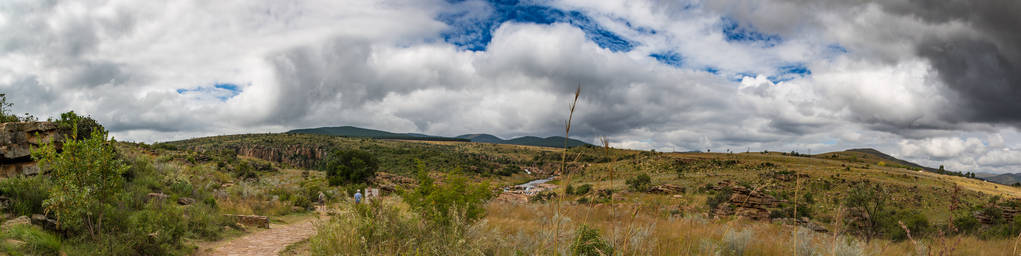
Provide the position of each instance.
(745, 202)
(17, 139)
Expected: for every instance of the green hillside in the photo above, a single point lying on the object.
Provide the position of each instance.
(356, 132)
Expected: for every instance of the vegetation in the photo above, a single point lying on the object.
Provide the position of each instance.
(350, 166)
(7, 116)
(640, 183)
(456, 198)
(79, 127)
(86, 176)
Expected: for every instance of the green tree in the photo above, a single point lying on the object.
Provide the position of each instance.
(869, 202)
(640, 183)
(85, 125)
(435, 202)
(5, 108)
(86, 177)
(350, 166)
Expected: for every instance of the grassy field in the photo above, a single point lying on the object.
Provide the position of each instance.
(642, 223)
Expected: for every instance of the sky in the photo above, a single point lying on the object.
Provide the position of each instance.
(934, 82)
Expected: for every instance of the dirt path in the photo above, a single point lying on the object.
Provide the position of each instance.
(264, 241)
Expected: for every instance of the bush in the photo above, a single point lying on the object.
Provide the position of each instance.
(583, 189)
(350, 166)
(914, 220)
(435, 202)
(382, 227)
(640, 183)
(720, 197)
(71, 125)
(86, 177)
(588, 242)
(157, 230)
(26, 193)
(37, 241)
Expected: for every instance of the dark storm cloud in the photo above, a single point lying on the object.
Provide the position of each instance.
(984, 72)
(979, 65)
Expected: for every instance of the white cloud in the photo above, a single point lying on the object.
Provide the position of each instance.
(383, 64)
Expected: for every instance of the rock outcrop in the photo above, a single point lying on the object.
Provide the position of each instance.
(667, 189)
(17, 139)
(1006, 215)
(251, 220)
(390, 183)
(297, 155)
(745, 202)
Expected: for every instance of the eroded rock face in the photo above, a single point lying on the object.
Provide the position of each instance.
(17, 139)
(746, 202)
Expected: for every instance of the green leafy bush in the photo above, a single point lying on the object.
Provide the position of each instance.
(436, 202)
(72, 125)
(26, 193)
(37, 241)
(86, 177)
(350, 166)
(157, 230)
(588, 242)
(583, 189)
(640, 183)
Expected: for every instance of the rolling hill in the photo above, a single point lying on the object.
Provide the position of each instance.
(356, 132)
(1005, 179)
(872, 156)
(553, 142)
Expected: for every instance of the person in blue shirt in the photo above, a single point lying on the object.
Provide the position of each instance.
(358, 196)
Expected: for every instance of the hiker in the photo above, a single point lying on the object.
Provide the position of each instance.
(322, 199)
(358, 196)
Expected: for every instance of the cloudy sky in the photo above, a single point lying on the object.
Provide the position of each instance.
(936, 82)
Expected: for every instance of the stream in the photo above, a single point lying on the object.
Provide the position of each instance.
(528, 186)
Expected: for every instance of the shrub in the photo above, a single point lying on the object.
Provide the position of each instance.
(869, 202)
(543, 196)
(86, 177)
(350, 166)
(588, 242)
(719, 198)
(436, 201)
(157, 230)
(640, 183)
(914, 220)
(583, 189)
(26, 193)
(37, 241)
(72, 125)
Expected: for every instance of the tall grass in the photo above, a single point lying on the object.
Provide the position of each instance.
(563, 171)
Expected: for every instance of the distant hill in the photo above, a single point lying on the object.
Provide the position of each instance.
(486, 138)
(1005, 179)
(356, 132)
(872, 156)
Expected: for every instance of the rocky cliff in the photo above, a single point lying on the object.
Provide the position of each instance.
(296, 155)
(17, 139)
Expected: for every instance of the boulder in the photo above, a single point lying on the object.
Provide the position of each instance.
(23, 220)
(185, 201)
(667, 189)
(45, 222)
(156, 196)
(250, 220)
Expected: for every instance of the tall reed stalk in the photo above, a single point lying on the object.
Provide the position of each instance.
(563, 171)
(613, 211)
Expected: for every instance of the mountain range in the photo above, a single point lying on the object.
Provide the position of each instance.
(357, 132)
